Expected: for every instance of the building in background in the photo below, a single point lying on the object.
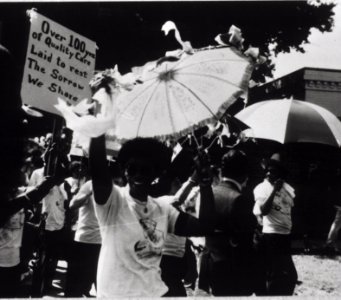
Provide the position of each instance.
(315, 85)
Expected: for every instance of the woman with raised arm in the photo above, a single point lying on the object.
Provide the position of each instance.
(133, 224)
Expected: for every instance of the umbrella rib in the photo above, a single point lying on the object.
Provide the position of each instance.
(145, 108)
(169, 108)
(196, 96)
(212, 76)
(176, 67)
(133, 99)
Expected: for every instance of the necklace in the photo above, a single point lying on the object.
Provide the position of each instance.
(142, 203)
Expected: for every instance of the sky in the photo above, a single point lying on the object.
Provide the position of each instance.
(323, 50)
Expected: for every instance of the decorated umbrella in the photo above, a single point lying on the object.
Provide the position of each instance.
(179, 94)
(291, 121)
(172, 96)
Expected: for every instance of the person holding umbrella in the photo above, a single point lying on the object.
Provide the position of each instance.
(273, 204)
(134, 225)
(167, 99)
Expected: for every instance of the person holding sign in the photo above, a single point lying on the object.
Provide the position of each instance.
(133, 224)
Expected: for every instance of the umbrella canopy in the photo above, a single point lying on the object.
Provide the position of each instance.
(178, 95)
(291, 121)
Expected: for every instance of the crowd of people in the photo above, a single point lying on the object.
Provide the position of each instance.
(143, 224)
(128, 226)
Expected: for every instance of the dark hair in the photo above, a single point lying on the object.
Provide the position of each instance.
(235, 165)
(74, 166)
(276, 161)
(149, 149)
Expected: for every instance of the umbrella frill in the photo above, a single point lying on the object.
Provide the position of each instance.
(177, 97)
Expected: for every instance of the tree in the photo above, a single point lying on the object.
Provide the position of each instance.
(284, 24)
(129, 33)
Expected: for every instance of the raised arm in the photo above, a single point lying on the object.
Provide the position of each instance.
(266, 206)
(35, 194)
(99, 169)
(187, 225)
(32, 196)
(183, 192)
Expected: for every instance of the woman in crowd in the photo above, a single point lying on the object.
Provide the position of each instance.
(133, 224)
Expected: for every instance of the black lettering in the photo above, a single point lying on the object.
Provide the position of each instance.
(45, 27)
(34, 81)
(48, 41)
(54, 74)
(33, 64)
(53, 87)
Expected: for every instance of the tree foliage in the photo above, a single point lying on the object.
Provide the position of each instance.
(129, 33)
(286, 25)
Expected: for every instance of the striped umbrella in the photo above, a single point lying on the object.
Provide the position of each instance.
(291, 121)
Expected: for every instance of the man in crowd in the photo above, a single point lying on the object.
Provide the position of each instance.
(53, 205)
(228, 263)
(274, 199)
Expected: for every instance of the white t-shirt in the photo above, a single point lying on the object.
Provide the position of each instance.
(278, 220)
(10, 240)
(132, 240)
(53, 202)
(87, 227)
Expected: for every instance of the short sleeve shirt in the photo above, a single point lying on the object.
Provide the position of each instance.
(278, 220)
(10, 240)
(53, 202)
(87, 227)
(133, 235)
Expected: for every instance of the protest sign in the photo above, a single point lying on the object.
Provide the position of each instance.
(59, 63)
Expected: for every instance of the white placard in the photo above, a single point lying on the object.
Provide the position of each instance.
(59, 63)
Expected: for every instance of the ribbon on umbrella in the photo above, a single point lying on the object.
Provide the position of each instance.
(87, 125)
(78, 118)
(232, 37)
(186, 45)
(235, 38)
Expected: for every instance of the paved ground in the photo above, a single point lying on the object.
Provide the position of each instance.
(319, 274)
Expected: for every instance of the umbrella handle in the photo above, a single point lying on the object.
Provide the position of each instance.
(202, 167)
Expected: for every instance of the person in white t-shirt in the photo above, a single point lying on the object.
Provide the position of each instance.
(53, 205)
(274, 199)
(133, 224)
(82, 266)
